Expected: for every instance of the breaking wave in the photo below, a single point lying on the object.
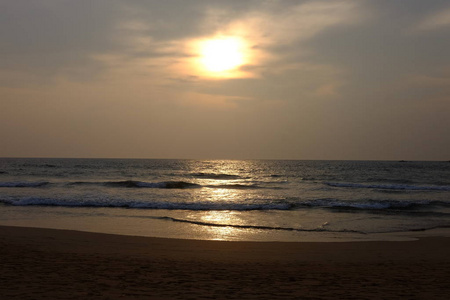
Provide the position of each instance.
(390, 186)
(165, 185)
(372, 204)
(135, 184)
(235, 186)
(323, 228)
(260, 227)
(216, 176)
(195, 206)
(23, 184)
(160, 185)
(141, 184)
(378, 206)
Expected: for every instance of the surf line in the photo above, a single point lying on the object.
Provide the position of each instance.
(261, 227)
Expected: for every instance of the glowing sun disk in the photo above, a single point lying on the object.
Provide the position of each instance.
(222, 54)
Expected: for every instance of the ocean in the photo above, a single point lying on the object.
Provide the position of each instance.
(240, 200)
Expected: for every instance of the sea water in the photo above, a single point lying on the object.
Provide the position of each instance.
(268, 200)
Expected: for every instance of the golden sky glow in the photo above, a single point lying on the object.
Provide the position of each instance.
(306, 79)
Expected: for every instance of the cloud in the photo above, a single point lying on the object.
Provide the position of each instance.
(274, 27)
(94, 76)
(79, 39)
(146, 48)
(436, 20)
(44, 39)
(432, 87)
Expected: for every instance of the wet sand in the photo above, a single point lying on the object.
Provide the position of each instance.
(61, 264)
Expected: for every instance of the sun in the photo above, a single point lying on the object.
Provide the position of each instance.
(222, 54)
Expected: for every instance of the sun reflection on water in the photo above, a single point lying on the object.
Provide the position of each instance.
(226, 184)
(222, 218)
(218, 220)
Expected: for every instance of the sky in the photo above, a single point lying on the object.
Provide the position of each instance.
(236, 79)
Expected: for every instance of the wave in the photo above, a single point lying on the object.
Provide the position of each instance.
(141, 184)
(40, 165)
(165, 185)
(391, 180)
(23, 184)
(390, 186)
(423, 228)
(195, 206)
(323, 228)
(236, 186)
(376, 206)
(372, 204)
(259, 227)
(160, 185)
(217, 176)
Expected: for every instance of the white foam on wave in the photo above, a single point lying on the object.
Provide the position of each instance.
(222, 205)
(370, 204)
(390, 186)
(37, 201)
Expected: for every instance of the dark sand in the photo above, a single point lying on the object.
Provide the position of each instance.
(60, 264)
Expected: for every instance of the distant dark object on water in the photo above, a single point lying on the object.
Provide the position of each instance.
(402, 161)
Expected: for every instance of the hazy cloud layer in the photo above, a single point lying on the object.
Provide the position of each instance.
(323, 79)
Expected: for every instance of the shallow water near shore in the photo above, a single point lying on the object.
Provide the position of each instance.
(264, 200)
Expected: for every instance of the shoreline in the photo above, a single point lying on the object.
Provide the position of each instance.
(49, 263)
(156, 224)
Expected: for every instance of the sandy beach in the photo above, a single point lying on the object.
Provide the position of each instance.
(61, 264)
